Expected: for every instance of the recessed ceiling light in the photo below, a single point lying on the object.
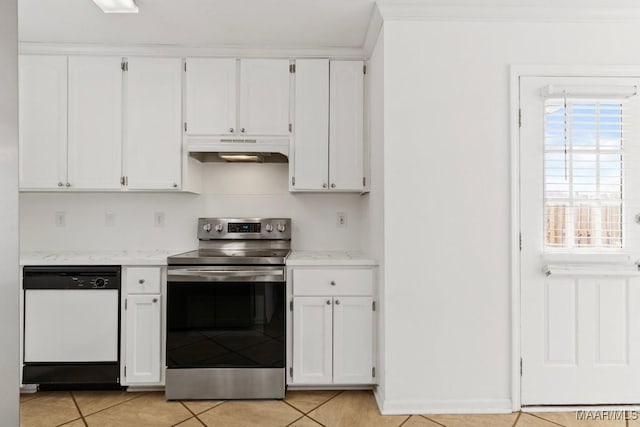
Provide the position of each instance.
(117, 6)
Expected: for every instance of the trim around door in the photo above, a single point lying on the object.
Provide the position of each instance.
(516, 72)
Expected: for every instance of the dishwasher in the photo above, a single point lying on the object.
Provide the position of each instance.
(71, 325)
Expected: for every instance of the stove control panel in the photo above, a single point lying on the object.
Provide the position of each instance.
(247, 229)
(244, 227)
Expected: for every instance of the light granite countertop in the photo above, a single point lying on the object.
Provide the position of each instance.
(330, 258)
(135, 257)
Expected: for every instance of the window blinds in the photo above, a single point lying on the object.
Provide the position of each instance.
(584, 163)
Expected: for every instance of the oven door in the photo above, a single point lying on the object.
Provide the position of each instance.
(225, 317)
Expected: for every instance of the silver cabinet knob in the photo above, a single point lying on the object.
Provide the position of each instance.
(269, 228)
(242, 130)
(231, 130)
(337, 302)
(207, 227)
(155, 300)
(333, 186)
(324, 185)
(282, 228)
(328, 302)
(175, 185)
(60, 184)
(333, 283)
(219, 228)
(141, 281)
(68, 185)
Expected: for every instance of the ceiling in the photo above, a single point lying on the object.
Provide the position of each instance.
(210, 23)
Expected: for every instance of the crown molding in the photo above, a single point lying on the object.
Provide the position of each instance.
(523, 11)
(188, 51)
(373, 31)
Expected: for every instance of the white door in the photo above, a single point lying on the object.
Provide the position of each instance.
(43, 121)
(264, 97)
(153, 132)
(71, 325)
(95, 122)
(211, 96)
(312, 336)
(311, 144)
(346, 123)
(352, 340)
(142, 348)
(580, 182)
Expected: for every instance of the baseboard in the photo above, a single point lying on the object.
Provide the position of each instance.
(142, 388)
(463, 406)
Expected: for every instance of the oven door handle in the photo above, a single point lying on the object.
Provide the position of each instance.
(206, 275)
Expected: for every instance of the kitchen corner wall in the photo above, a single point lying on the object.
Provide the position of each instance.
(9, 267)
(238, 190)
(446, 160)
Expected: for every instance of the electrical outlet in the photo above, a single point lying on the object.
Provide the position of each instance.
(61, 219)
(158, 219)
(109, 219)
(341, 219)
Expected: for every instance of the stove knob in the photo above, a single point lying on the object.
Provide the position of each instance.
(219, 228)
(207, 227)
(282, 227)
(269, 228)
(100, 282)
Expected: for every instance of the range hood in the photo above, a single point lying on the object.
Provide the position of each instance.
(257, 150)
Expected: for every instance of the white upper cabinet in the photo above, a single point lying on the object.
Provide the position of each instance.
(95, 122)
(310, 163)
(211, 96)
(153, 124)
(43, 121)
(264, 97)
(328, 147)
(346, 123)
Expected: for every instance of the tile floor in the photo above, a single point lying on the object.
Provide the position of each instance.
(299, 409)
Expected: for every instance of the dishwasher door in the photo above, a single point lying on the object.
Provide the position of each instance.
(69, 325)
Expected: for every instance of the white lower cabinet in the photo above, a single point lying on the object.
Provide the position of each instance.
(332, 335)
(352, 340)
(142, 327)
(312, 340)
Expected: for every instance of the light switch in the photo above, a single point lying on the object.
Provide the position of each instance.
(109, 219)
(61, 219)
(158, 219)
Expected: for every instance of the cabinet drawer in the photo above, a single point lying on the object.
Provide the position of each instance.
(143, 280)
(348, 281)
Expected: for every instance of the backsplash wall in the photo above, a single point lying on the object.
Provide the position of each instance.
(241, 190)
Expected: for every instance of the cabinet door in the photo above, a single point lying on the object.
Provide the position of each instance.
(346, 121)
(142, 348)
(264, 97)
(211, 96)
(312, 352)
(95, 122)
(43, 121)
(311, 150)
(352, 340)
(153, 133)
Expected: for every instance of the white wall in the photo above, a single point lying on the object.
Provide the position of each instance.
(238, 190)
(373, 203)
(9, 271)
(446, 173)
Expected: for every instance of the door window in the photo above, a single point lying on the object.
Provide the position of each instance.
(583, 174)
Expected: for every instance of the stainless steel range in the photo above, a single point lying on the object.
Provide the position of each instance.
(226, 311)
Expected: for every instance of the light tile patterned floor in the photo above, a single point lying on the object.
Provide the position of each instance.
(299, 409)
